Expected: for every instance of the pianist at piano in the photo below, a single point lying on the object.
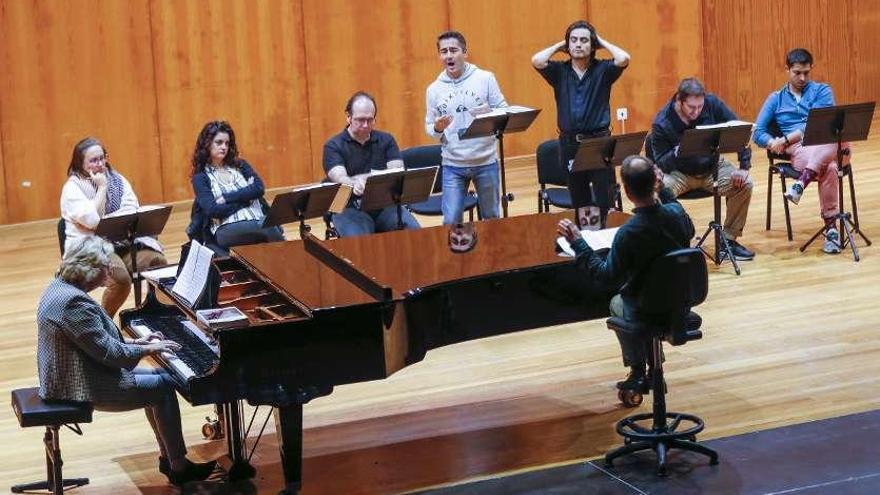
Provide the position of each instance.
(659, 225)
(82, 356)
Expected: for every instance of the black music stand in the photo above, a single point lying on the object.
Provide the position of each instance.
(302, 204)
(498, 124)
(128, 227)
(713, 142)
(836, 125)
(600, 153)
(398, 187)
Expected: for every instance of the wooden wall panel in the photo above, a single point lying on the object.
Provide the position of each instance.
(73, 69)
(502, 37)
(746, 42)
(384, 47)
(663, 39)
(238, 61)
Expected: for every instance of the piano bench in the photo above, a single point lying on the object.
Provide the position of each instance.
(31, 410)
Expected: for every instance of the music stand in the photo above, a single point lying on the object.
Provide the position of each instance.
(398, 187)
(836, 125)
(302, 204)
(149, 221)
(713, 142)
(601, 153)
(496, 123)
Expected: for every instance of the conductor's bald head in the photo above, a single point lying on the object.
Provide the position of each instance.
(639, 177)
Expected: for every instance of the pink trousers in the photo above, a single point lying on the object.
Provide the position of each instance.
(821, 159)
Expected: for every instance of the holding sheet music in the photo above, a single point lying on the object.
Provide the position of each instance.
(658, 226)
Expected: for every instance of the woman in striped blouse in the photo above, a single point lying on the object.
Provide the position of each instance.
(229, 206)
(94, 190)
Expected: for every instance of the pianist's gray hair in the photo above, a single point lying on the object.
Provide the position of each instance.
(83, 262)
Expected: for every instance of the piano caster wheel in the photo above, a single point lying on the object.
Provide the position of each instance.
(212, 429)
(630, 398)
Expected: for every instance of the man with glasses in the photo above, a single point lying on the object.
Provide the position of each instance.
(350, 156)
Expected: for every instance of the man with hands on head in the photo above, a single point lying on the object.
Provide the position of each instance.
(350, 156)
(582, 89)
(659, 225)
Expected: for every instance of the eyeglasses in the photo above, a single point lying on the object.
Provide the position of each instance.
(99, 159)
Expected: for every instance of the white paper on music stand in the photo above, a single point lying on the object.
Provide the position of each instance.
(729, 123)
(158, 273)
(596, 239)
(194, 275)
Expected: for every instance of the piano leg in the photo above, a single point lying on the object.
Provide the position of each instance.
(288, 428)
(236, 464)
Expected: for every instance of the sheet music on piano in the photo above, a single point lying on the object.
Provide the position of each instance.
(191, 281)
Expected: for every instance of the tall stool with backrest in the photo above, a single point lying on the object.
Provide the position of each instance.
(430, 156)
(672, 285)
(31, 410)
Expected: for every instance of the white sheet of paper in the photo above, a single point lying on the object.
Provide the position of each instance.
(596, 239)
(157, 273)
(194, 275)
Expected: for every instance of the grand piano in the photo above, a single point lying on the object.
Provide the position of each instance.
(327, 313)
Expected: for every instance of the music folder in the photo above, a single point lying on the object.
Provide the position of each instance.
(853, 122)
(304, 203)
(504, 120)
(398, 186)
(146, 221)
(601, 152)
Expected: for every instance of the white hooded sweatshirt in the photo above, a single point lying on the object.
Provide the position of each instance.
(475, 87)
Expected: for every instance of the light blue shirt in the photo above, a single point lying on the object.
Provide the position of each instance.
(787, 112)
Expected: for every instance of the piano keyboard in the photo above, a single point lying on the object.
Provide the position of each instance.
(198, 352)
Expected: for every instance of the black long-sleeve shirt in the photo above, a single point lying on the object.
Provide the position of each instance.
(651, 232)
(667, 129)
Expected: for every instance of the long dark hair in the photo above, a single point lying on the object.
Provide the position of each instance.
(594, 38)
(79, 156)
(202, 152)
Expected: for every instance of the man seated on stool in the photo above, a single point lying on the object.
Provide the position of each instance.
(659, 225)
(348, 159)
(82, 357)
(789, 108)
(692, 106)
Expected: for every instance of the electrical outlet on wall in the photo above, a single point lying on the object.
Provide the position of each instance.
(622, 113)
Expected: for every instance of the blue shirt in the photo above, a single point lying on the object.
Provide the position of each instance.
(582, 103)
(784, 111)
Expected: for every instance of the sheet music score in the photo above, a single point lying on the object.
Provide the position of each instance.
(729, 123)
(596, 239)
(194, 275)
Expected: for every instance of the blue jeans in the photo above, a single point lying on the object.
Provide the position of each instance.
(455, 183)
(154, 392)
(352, 221)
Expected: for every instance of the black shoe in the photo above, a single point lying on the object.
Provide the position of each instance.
(636, 380)
(740, 252)
(164, 465)
(194, 471)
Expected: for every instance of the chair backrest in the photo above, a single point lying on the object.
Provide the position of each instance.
(62, 234)
(423, 157)
(550, 170)
(674, 282)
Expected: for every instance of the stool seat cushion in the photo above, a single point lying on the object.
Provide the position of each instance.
(31, 410)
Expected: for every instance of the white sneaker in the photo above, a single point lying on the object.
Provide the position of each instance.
(795, 191)
(832, 241)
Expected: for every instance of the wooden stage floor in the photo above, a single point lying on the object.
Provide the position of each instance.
(795, 338)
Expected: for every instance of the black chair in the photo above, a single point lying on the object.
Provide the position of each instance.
(551, 172)
(430, 156)
(673, 284)
(62, 234)
(31, 410)
(780, 166)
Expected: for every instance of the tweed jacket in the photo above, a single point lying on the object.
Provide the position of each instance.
(81, 355)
